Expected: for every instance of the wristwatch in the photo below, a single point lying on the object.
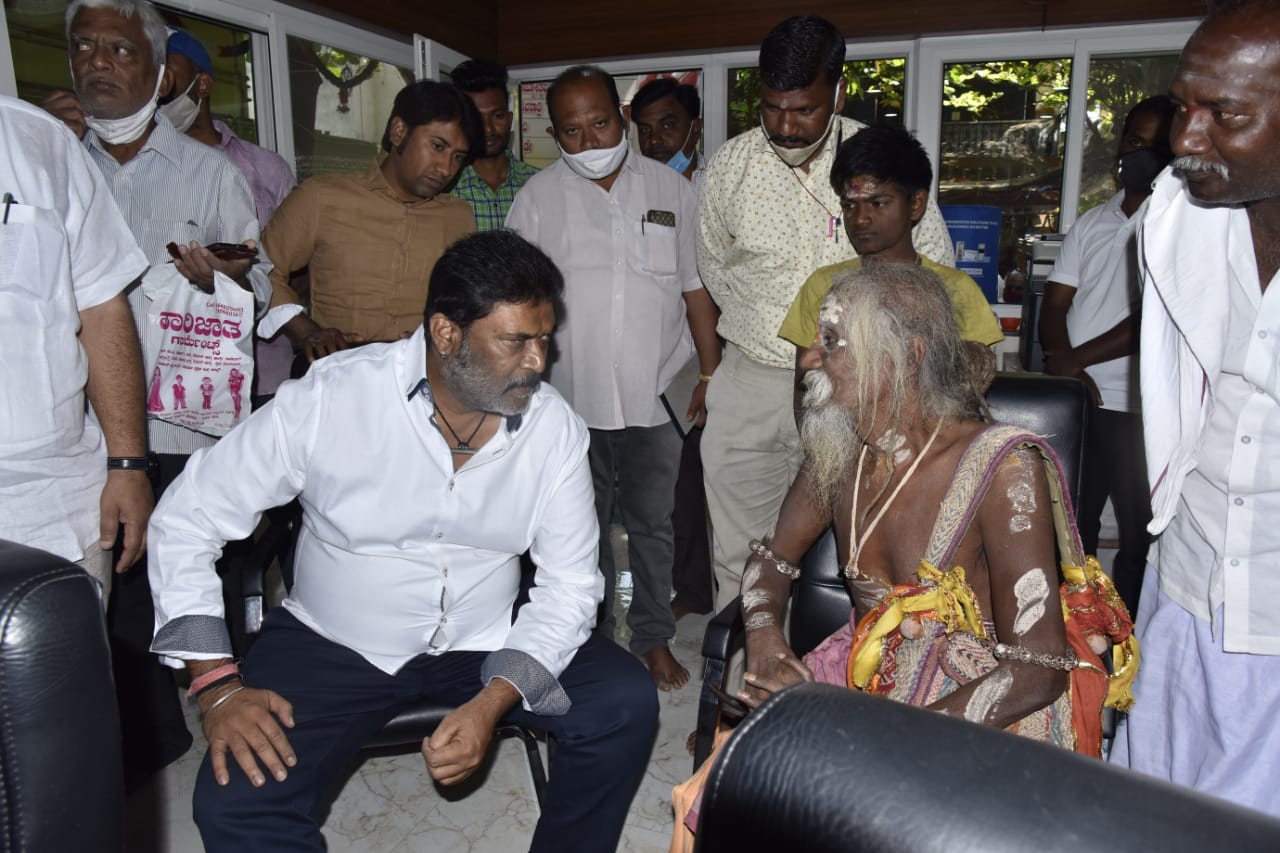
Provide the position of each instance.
(145, 464)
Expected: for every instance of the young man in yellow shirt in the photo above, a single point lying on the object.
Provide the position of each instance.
(882, 176)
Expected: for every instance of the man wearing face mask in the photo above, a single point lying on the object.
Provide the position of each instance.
(1089, 327)
(188, 108)
(767, 218)
(621, 229)
(667, 115)
(270, 179)
(169, 188)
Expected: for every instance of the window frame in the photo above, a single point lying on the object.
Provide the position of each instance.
(271, 23)
(926, 57)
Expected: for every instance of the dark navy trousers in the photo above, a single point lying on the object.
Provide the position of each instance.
(602, 744)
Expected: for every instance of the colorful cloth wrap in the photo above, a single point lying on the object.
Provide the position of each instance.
(925, 639)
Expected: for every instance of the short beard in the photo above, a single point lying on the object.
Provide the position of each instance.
(472, 385)
(828, 440)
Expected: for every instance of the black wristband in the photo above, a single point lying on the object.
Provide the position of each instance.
(129, 463)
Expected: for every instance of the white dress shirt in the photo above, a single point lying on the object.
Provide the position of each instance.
(178, 190)
(624, 335)
(1099, 260)
(1211, 408)
(398, 555)
(63, 249)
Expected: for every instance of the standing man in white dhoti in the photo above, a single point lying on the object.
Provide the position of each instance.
(1210, 617)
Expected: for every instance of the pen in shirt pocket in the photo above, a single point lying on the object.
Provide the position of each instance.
(8, 201)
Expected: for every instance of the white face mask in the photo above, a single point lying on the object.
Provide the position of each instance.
(122, 131)
(794, 157)
(596, 163)
(182, 110)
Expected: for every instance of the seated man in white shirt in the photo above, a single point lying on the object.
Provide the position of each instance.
(407, 568)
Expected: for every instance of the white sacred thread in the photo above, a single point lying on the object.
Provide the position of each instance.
(1031, 590)
(1019, 524)
(989, 693)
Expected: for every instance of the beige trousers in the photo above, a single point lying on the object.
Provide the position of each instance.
(750, 455)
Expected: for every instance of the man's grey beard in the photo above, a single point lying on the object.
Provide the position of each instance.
(1191, 164)
(473, 386)
(828, 439)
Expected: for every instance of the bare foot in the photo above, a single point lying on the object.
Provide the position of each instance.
(678, 610)
(667, 672)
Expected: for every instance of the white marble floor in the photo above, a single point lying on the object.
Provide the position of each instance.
(389, 803)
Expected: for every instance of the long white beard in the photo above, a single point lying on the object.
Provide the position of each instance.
(827, 438)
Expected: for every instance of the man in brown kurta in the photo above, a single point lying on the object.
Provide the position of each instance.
(371, 240)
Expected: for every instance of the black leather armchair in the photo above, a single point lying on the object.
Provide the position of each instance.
(820, 768)
(1052, 407)
(61, 782)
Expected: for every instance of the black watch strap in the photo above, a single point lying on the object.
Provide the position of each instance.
(129, 463)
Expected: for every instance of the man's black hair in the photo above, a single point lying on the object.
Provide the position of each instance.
(427, 101)
(886, 153)
(656, 90)
(582, 72)
(489, 268)
(799, 49)
(477, 75)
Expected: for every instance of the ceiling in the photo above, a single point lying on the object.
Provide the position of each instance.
(517, 32)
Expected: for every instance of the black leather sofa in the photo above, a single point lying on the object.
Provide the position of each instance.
(820, 768)
(61, 784)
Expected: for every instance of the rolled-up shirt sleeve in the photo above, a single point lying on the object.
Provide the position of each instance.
(568, 587)
(220, 498)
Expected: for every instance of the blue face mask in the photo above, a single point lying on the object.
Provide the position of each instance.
(680, 160)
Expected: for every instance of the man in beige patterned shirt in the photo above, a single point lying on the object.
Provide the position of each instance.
(767, 219)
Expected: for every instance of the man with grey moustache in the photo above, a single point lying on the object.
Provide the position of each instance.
(1210, 245)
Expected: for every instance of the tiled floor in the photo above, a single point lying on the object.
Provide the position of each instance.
(389, 803)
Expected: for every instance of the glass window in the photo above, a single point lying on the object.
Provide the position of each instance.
(538, 148)
(876, 91)
(1116, 84)
(38, 41)
(340, 103)
(1003, 136)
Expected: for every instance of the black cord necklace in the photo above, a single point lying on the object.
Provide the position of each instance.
(461, 446)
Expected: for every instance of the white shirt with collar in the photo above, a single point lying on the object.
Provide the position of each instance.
(1099, 260)
(1210, 371)
(398, 554)
(624, 335)
(176, 189)
(63, 249)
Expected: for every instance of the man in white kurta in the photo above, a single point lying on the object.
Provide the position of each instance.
(1210, 616)
(66, 257)
(622, 232)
